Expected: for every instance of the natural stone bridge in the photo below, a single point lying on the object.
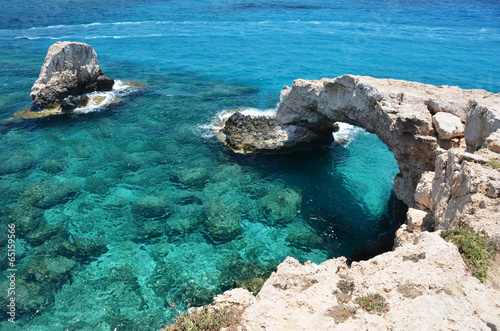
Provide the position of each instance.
(416, 121)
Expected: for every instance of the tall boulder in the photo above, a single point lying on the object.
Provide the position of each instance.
(70, 70)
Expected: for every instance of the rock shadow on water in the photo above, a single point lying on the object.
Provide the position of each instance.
(329, 210)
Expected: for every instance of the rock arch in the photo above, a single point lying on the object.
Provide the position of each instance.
(401, 113)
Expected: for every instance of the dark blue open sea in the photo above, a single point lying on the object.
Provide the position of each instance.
(121, 211)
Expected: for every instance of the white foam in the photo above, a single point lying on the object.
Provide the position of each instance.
(100, 100)
(97, 102)
(120, 85)
(347, 133)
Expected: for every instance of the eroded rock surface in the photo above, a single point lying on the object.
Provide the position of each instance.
(245, 133)
(70, 70)
(425, 285)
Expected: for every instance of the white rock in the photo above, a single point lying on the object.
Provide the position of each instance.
(70, 68)
(448, 125)
(423, 192)
(415, 219)
(493, 141)
(482, 121)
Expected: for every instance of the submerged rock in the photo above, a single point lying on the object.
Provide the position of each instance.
(186, 218)
(48, 269)
(151, 207)
(282, 205)
(304, 237)
(47, 194)
(30, 297)
(26, 217)
(223, 222)
(252, 284)
(70, 70)
(53, 166)
(84, 248)
(43, 234)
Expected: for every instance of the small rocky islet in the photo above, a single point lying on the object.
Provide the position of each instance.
(70, 79)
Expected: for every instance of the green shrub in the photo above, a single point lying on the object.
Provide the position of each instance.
(205, 319)
(373, 303)
(345, 285)
(494, 163)
(474, 249)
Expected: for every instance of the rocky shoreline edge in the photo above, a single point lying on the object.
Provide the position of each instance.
(446, 141)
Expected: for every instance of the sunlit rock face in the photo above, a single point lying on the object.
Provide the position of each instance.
(70, 70)
(407, 116)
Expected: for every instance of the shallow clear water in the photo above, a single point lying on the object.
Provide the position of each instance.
(173, 214)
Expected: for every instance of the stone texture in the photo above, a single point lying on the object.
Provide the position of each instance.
(69, 69)
(403, 236)
(244, 133)
(448, 125)
(482, 120)
(423, 192)
(493, 141)
(416, 220)
(426, 286)
(465, 194)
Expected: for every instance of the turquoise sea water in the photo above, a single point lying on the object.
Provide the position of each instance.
(122, 211)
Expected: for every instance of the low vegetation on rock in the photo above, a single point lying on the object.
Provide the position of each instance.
(494, 163)
(205, 319)
(341, 313)
(475, 249)
(346, 287)
(373, 303)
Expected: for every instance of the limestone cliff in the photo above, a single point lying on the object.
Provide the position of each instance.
(447, 143)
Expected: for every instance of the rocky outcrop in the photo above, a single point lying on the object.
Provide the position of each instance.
(421, 286)
(448, 126)
(70, 70)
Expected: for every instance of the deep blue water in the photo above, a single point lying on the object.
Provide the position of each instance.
(147, 181)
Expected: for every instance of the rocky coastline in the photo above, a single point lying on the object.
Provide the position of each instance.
(447, 143)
